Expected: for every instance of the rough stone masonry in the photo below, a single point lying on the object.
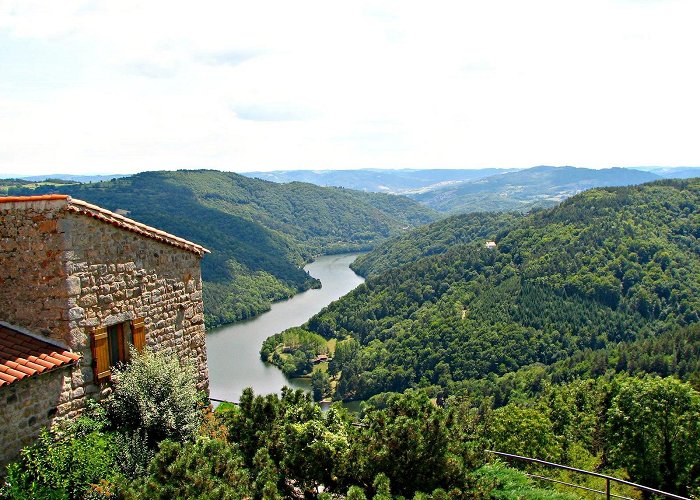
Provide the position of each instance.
(67, 267)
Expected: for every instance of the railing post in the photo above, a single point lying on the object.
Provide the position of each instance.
(607, 488)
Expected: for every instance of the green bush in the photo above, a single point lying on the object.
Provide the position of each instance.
(206, 469)
(498, 481)
(156, 395)
(133, 452)
(60, 467)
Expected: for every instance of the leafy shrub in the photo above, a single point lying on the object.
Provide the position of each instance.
(206, 468)
(157, 395)
(133, 452)
(56, 467)
(523, 431)
(498, 481)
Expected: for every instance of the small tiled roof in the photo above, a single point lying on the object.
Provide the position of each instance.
(23, 355)
(104, 215)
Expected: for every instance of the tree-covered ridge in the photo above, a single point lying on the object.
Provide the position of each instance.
(607, 266)
(316, 216)
(433, 239)
(8, 185)
(260, 233)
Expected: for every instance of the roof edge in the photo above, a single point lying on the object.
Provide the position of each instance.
(29, 333)
(43, 197)
(83, 207)
(104, 215)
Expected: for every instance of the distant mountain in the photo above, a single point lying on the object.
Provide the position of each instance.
(380, 180)
(523, 190)
(71, 177)
(673, 172)
(260, 233)
(8, 184)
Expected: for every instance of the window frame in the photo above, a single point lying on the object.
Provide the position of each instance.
(103, 348)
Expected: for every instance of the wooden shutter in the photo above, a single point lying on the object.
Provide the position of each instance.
(100, 354)
(138, 329)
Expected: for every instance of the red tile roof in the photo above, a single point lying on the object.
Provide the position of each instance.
(104, 215)
(43, 197)
(23, 355)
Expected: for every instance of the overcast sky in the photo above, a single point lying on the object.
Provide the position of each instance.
(125, 86)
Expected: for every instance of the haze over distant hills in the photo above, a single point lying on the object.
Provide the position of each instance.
(673, 172)
(380, 180)
(523, 190)
(492, 189)
(414, 181)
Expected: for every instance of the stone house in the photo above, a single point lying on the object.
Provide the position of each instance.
(78, 285)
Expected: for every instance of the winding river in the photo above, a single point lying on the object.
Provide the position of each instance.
(233, 351)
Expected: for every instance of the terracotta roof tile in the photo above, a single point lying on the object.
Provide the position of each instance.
(43, 197)
(23, 355)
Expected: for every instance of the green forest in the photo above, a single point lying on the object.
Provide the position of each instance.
(576, 339)
(609, 266)
(260, 233)
(600, 291)
(155, 437)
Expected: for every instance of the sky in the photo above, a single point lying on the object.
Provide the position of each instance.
(90, 87)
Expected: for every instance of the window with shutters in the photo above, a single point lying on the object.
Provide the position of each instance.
(110, 345)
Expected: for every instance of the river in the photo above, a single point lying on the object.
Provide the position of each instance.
(233, 351)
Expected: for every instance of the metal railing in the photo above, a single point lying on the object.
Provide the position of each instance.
(608, 479)
(223, 401)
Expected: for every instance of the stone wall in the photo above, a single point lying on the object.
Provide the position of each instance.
(29, 405)
(64, 273)
(115, 275)
(33, 288)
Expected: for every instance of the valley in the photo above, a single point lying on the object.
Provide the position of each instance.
(260, 233)
(539, 332)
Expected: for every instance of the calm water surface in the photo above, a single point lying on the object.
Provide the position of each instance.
(234, 351)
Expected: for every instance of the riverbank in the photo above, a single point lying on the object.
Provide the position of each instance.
(234, 350)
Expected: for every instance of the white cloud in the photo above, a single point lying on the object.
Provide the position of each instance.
(323, 84)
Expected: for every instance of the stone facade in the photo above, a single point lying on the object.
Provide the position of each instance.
(69, 267)
(28, 406)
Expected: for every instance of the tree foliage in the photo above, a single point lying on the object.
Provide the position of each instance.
(585, 283)
(206, 469)
(653, 427)
(156, 395)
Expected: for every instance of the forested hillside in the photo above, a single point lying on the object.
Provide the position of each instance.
(526, 189)
(434, 239)
(260, 233)
(609, 266)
